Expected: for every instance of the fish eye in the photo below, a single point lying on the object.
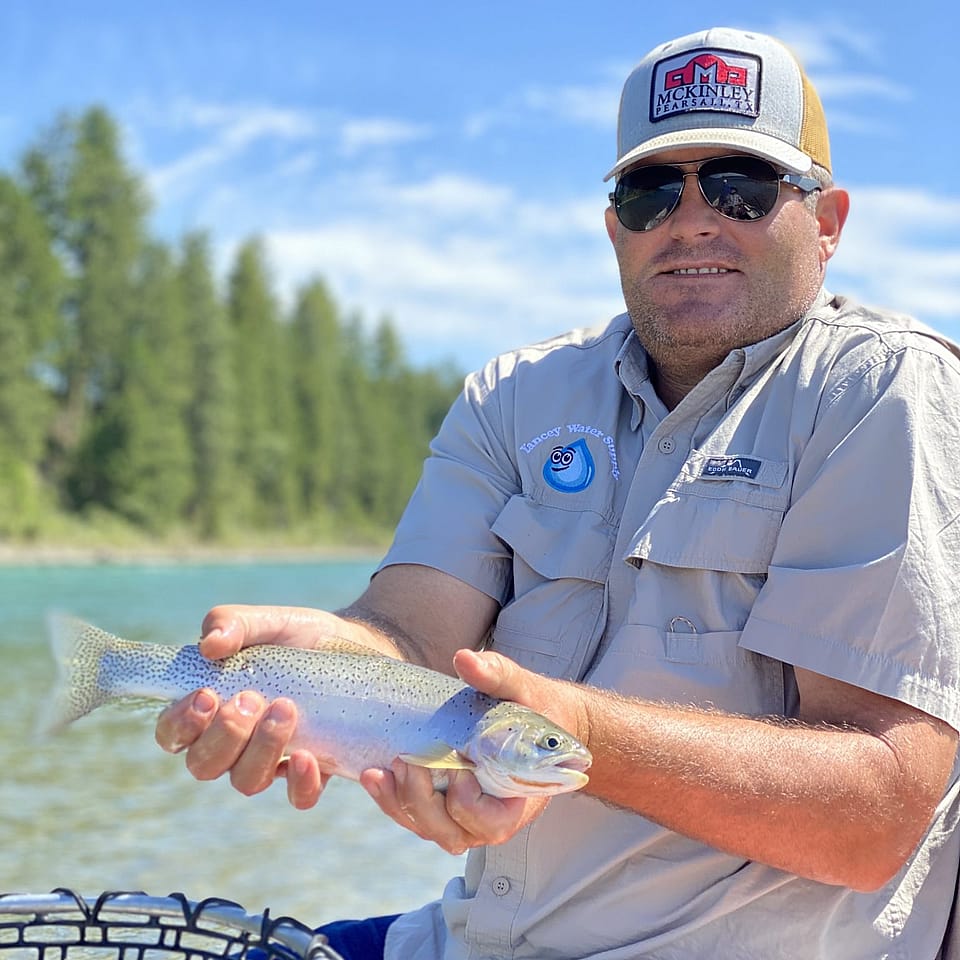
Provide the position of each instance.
(550, 741)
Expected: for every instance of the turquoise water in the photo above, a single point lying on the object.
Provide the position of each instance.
(101, 807)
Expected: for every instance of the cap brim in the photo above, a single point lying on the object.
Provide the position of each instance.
(748, 141)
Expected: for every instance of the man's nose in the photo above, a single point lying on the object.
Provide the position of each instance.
(693, 216)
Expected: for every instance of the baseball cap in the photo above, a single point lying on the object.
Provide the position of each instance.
(722, 88)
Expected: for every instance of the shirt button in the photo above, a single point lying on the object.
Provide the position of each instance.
(667, 445)
(501, 886)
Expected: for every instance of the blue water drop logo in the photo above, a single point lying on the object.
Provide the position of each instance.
(570, 469)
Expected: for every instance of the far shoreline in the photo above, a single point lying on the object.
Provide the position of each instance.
(62, 555)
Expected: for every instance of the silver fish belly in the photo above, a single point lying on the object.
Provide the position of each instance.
(356, 710)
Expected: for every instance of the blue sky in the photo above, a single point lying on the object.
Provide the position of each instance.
(442, 163)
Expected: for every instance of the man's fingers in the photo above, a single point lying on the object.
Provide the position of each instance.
(256, 766)
(462, 818)
(406, 794)
(230, 627)
(219, 747)
(184, 721)
(305, 781)
(491, 818)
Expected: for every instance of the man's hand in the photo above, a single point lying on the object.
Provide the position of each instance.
(464, 816)
(247, 737)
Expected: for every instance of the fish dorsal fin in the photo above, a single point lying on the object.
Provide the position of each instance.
(343, 645)
(439, 756)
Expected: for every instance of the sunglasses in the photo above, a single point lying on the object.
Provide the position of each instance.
(738, 188)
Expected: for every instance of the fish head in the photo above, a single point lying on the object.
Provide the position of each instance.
(520, 753)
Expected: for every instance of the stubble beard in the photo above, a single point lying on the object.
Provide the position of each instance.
(696, 333)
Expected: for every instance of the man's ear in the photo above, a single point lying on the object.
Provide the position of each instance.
(610, 217)
(832, 209)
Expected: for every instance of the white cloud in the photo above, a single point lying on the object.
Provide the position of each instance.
(830, 43)
(226, 131)
(214, 135)
(473, 285)
(846, 66)
(445, 197)
(243, 122)
(362, 134)
(900, 249)
(591, 105)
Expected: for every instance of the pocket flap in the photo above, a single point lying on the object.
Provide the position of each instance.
(557, 543)
(708, 534)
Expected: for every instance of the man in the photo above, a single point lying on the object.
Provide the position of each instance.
(718, 540)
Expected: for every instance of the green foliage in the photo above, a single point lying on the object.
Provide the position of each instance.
(139, 398)
(263, 403)
(211, 415)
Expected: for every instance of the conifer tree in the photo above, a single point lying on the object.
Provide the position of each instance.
(350, 496)
(393, 434)
(315, 361)
(152, 469)
(263, 399)
(30, 289)
(95, 208)
(211, 419)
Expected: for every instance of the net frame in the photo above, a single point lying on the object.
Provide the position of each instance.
(131, 925)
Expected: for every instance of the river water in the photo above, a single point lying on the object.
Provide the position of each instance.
(101, 807)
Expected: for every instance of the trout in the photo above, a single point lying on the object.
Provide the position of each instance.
(356, 709)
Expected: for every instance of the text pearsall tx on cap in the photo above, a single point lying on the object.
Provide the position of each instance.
(722, 88)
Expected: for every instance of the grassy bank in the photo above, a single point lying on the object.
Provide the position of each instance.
(108, 539)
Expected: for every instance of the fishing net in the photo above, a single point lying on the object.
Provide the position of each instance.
(133, 926)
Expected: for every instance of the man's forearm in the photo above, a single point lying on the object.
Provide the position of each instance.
(832, 804)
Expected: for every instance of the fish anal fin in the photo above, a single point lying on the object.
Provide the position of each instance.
(439, 756)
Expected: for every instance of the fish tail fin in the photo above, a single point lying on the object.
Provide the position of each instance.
(77, 648)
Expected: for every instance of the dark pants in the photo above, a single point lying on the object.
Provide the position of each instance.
(358, 939)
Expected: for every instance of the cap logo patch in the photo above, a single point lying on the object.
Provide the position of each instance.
(723, 81)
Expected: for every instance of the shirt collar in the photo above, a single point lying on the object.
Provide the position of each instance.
(632, 366)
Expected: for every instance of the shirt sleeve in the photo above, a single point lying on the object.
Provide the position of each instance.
(864, 582)
(466, 481)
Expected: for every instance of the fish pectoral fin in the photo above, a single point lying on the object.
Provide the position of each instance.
(439, 756)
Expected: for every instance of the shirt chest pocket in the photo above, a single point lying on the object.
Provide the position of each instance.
(561, 560)
(700, 560)
(723, 525)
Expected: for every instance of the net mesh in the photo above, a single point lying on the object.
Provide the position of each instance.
(63, 925)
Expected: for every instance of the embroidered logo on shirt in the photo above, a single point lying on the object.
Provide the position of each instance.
(578, 430)
(569, 469)
(731, 467)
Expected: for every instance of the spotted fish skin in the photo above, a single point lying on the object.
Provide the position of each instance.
(356, 709)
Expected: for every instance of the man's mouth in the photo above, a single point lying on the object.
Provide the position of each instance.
(698, 271)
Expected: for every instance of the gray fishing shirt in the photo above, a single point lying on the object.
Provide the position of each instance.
(798, 508)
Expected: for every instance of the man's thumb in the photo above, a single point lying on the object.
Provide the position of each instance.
(487, 672)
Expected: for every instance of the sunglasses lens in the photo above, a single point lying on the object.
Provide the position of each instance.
(645, 197)
(740, 188)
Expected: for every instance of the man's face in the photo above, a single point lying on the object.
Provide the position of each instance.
(763, 274)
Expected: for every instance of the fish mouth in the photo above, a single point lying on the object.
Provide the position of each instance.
(569, 780)
(555, 774)
(574, 762)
